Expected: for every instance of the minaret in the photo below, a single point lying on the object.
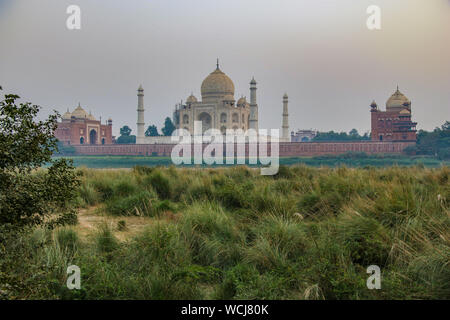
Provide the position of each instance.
(253, 122)
(140, 119)
(285, 132)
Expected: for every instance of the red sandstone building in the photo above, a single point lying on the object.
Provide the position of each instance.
(80, 128)
(394, 124)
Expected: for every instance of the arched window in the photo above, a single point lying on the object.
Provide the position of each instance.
(81, 140)
(185, 119)
(206, 120)
(93, 137)
(235, 118)
(223, 118)
(103, 141)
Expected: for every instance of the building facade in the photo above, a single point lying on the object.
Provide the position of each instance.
(218, 108)
(80, 128)
(395, 123)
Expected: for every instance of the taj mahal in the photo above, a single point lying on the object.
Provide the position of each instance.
(392, 129)
(217, 109)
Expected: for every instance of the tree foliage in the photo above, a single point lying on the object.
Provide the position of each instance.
(353, 135)
(152, 131)
(168, 128)
(125, 131)
(435, 143)
(29, 196)
(125, 136)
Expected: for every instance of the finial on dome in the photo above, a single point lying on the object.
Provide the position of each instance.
(140, 88)
(217, 64)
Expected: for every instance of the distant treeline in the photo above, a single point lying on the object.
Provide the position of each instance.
(353, 135)
(435, 143)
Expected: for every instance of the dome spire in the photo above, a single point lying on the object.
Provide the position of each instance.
(217, 64)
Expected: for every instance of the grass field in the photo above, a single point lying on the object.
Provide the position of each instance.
(349, 160)
(229, 233)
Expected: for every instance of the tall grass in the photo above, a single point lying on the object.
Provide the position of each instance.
(306, 233)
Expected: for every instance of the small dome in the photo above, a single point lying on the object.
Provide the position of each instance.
(285, 96)
(191, 99)
(217, 86)
(91, 117)
(242, 101)
(374, 104)
(253, 81)
(67, 115)
(397, 101)
(79, 113)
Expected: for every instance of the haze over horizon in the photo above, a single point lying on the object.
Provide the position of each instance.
(320, 52)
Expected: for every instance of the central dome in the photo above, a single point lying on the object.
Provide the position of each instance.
(217, 86)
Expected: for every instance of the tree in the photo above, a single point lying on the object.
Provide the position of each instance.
(125, 136)
(152, 131)
(435, 143)
(354, 133)
(126, 140)
(168, 128)
(30, 197)
(125, 131)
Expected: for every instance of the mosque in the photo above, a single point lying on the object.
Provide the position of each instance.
(217, 109)
(80, 128)
(393, 124)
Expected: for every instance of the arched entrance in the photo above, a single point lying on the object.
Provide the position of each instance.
(205, 118)
(93, 137)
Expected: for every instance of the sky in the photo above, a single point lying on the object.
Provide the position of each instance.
(320, 52)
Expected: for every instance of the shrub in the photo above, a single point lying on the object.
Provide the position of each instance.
(160, 184)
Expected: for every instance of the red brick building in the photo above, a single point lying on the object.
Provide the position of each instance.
(80, 128)
(395, 123)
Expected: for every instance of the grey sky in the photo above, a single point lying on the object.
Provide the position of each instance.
(318, 51)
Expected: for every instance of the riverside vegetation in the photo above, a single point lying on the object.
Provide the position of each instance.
(229, 233)
(218, 233)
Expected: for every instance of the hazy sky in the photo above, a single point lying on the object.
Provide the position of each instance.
(318, 51)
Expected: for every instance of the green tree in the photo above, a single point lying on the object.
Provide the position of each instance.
(125, 131)
(30, 197)
(354, 133)
(152, 131)
(168, 128)
(435, 143)
(126, 140)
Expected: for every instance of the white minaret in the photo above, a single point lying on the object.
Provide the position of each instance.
(253, 122)
(140, 117)
(285, 132)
